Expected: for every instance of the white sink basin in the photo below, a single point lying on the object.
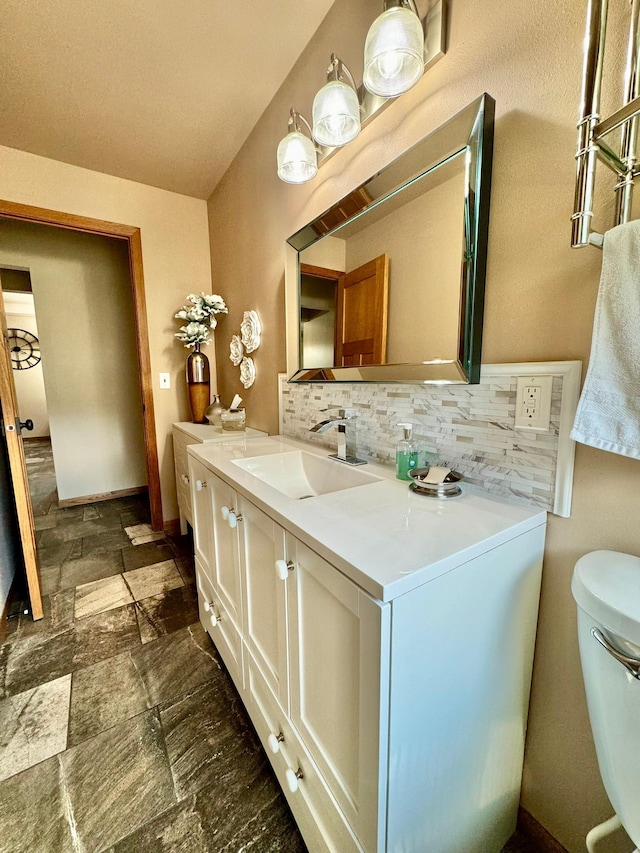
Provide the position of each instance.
(298, 474)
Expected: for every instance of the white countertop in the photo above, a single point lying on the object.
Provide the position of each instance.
(381, 535)
(211, 432)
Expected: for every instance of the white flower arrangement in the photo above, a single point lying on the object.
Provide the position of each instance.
(200, 317)
(194, 333)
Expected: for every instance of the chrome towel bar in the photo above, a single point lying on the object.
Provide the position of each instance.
(592, 130)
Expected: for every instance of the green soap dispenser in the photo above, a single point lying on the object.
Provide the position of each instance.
(406, 453)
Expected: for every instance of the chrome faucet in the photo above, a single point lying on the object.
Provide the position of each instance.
(345, 423)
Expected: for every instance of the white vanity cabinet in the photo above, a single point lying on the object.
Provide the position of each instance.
(185, 433)
(311, 647)
(394, 722)
(217, 563)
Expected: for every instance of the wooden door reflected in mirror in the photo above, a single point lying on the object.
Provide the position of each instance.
(343, 316)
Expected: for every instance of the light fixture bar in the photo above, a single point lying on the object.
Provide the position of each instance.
(389, 4)
(434, 49)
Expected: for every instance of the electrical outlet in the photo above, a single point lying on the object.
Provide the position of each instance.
(165, 380)
(533, 402)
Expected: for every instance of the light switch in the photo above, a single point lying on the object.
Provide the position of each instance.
(165, 380)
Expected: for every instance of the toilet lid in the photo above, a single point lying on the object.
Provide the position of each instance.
(606, 585)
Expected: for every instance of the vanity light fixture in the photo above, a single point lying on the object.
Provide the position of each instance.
(394, 50)
(399, 49)
(336, 108)
(297, 156)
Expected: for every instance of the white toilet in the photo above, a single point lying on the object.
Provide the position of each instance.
(606, 587)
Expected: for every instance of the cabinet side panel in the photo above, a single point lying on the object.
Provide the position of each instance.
(462, 653)
(375, 631)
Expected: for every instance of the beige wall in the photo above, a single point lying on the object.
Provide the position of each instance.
(175, 255)
(82, 293)
(423, 240)
(539, 302)
(329, 252)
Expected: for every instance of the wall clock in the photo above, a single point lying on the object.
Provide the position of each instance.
(24, 349)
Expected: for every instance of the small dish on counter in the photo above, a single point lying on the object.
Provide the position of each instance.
(424, 484)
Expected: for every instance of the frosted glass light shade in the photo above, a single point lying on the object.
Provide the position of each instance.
(297, 159)
(336, 114)
(394, 53)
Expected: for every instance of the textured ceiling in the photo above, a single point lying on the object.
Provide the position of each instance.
(157, 91)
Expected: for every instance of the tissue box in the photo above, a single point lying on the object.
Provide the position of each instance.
(234, 420)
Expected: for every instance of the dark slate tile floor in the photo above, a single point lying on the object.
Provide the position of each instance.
(120, 730)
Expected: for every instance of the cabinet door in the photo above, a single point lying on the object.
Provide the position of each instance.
(217, 624)
(201, 479)
(339, 656)
(265, 576)
(226, 560)
(181, 464)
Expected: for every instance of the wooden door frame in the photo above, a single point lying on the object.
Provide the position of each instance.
(42, 216)
(327, 275)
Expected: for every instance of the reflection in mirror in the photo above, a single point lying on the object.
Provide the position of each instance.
(391, 280)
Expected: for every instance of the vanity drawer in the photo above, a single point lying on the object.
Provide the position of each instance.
(219, 625)
(315, 810)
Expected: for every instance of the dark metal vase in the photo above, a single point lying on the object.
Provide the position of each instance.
(198, 384)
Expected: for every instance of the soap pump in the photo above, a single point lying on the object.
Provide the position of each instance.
(406, 453)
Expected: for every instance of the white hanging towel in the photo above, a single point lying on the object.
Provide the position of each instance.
(608, 414)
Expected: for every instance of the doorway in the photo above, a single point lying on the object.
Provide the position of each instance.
(80, 294)
(131, 238)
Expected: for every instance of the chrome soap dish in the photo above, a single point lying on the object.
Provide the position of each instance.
(436, 482)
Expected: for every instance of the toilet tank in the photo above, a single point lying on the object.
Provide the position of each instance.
(606, 587)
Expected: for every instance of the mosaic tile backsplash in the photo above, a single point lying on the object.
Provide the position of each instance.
(466, 427)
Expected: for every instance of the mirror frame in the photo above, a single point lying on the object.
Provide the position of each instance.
(469, 132)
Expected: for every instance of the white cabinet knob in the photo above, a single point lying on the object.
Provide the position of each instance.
(234, 518)
(200, 485)
(283, 567)
(224, 512)
(274, 742)
(207, 606)
(185, 479)
(292, 778)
